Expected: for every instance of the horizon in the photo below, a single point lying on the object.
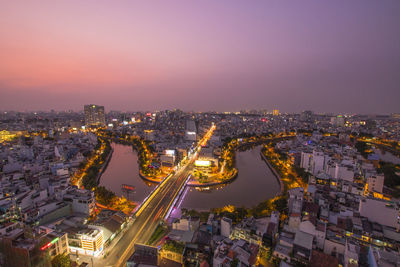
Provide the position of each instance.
(268, 111)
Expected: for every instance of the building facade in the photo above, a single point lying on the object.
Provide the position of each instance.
(94, 115)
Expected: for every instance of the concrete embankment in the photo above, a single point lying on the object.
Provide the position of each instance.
(274, 172)
(105, 164)
(144, 177)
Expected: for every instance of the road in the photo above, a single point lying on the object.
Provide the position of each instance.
(145, 224)
(154, 211)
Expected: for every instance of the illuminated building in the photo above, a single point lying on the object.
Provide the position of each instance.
(6, 136)
(375, 183)
(191, 131)
(149, 135)
(338, 121)
(275, 112)
(27, 250)
(94, 115)
(57, 244)
(202, 163)
(87, 242)
(396, 115)
(167, 160)
(206, 165)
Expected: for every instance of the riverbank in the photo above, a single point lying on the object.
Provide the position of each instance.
(105, 164)
(275, 173)
(154, 180)
(231, 178)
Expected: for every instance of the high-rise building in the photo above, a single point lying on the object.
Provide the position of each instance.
(275, 112)
(338, 121)
(307, 116)
(396, 115)
(94, 115)
(191, 131)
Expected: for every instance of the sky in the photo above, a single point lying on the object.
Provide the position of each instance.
(211, 55)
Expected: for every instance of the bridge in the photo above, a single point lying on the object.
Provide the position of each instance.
(155, 208)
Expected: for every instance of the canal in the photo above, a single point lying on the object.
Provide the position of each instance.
(254, 183)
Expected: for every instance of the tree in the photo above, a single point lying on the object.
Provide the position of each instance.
(61, 260)
(104, 196)
(280, 204)
(362, 148)
(234, 262)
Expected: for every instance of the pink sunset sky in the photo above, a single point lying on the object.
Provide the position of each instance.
(335, 56)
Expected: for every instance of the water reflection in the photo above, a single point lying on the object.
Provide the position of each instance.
(254, 182)
(124, 169)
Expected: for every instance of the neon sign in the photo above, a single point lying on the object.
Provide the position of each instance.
(49, 244)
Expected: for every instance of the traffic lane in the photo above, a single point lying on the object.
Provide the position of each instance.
(131, 235)
(163, 207)
(148, 213)
(135, 232)
(114, 254)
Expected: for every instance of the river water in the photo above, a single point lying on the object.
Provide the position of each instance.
(254, 183)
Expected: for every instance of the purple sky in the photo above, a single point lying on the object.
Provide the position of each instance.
(328, 56)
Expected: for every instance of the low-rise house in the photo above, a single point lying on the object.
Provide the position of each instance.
(316, 229)
(302, 246)
(282, 252)
(319, 259)
(252, 230)
(111, 223)
(379, 257)
(244, 253)
(334, 245)
(351, 254)
(82, 201)
(143, 255)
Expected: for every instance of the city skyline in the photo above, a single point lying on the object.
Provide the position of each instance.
(326, 57)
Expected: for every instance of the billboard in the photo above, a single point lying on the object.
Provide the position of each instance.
(202, 163)
(170, 152)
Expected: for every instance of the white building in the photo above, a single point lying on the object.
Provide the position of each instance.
(318, 162)
(344, 172)
(295, 202)
(318, 231)
(375, 183)
(88, 242)
(191, 131)
(305, 161)
(83, 201)
(226, 227)
(167, 160)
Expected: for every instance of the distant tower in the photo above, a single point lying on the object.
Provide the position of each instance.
(94, 115)
(275, 112)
